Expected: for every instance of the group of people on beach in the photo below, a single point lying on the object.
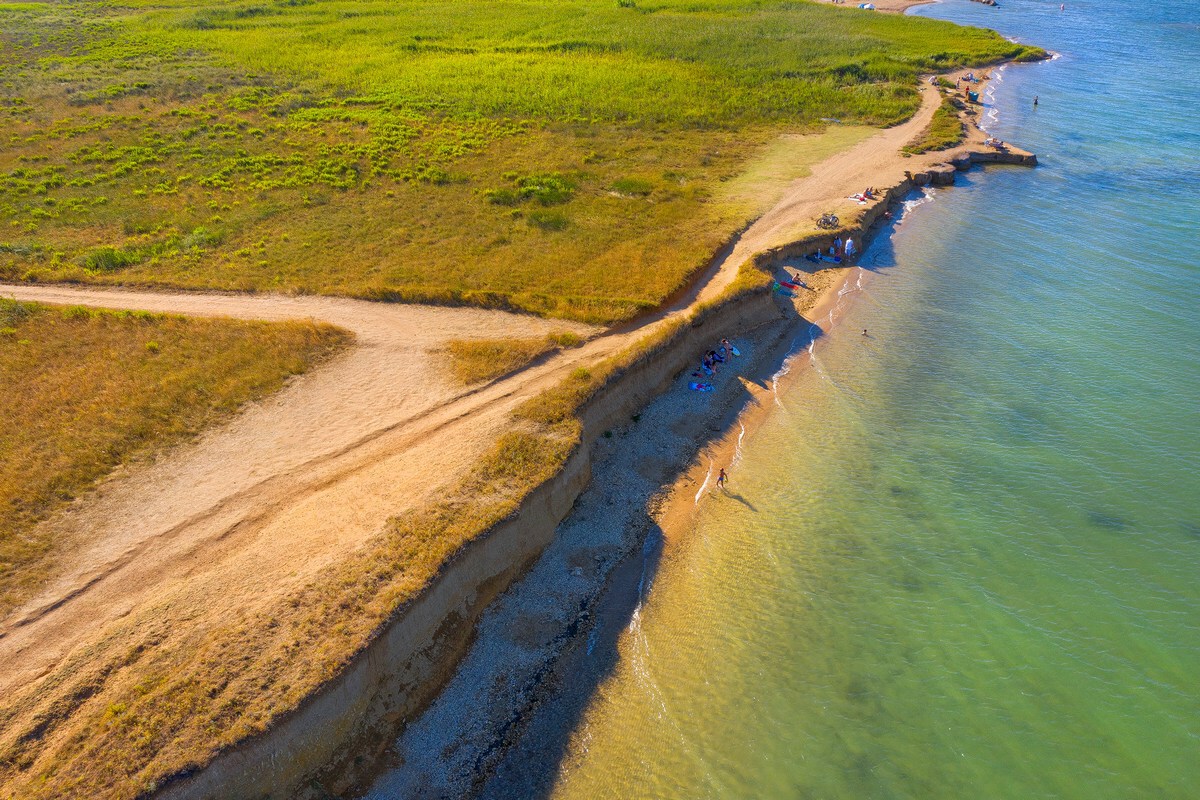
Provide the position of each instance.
(864, 197)
(711, 363)
(840, 249)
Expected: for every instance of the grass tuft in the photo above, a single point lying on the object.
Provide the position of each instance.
(478, 360)
(945, 130)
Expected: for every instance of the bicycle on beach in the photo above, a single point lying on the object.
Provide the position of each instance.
(827, 222)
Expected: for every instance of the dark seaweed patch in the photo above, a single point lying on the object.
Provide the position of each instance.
(1107, 521)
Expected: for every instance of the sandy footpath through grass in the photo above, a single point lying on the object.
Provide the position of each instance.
(286, 487)
(874, 162)
(228, 524)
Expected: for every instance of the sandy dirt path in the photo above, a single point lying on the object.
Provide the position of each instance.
(232, 522)
(873, 162)
(888, 6)
(288, 485)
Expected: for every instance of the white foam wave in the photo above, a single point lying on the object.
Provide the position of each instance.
(784, 370)
(989, 99)
(737, 448)
(704, 485)
(927, 196)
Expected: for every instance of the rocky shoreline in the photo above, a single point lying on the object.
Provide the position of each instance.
(547, 643)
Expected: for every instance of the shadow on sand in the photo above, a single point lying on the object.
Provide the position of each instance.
(740, 499)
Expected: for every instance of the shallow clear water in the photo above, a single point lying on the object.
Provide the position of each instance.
(961, 559)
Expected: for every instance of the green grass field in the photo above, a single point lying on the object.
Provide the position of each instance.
(945, 129)
(403, 150)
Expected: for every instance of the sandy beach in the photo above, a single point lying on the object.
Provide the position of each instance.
(888, 6)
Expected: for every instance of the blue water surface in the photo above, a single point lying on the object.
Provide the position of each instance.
(962, 556)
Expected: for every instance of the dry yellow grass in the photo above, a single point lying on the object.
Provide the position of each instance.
(478, 360)
(172, 702)
(175, 702)
(86, 390)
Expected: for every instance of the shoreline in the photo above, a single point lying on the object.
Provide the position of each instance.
(545, 647)
(412, 669)
(412, 656)
(886, 6)
(678, 515)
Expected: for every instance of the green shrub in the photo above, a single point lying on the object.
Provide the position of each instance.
(945, 130)
(633, 187)
(503, 197)
(13, 312)
(549, 189)
(109, 259)
(200, 237)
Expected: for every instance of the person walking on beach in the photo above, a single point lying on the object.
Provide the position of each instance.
(721, 478)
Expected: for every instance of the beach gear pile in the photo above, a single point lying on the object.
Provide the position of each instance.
(838, 251)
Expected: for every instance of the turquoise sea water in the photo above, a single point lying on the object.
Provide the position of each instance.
(962, 557)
